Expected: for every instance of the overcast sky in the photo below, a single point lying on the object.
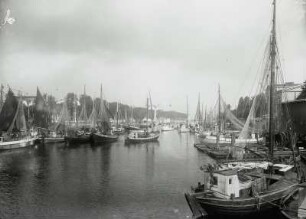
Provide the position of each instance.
(174, 48)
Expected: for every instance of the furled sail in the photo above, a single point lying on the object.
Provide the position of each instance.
(93, 118)
(8, 112)
(198, 116)
(104, 114)
(231, 117)
(63, 118)
(20, 122)
(41, 113)
(83, 115)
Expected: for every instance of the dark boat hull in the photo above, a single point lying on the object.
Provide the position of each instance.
(246, 206)
(100, 138)
(78, 139)
(214, 153)
(53, 140)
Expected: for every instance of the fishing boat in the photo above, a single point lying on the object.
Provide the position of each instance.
(14, 133)
(54, 137)
(103, 133)
(131, 126)
(41, 117)
(48, 132)
(167, 127)
(184, 128)
(77, 136)
(79, 130)
(234, 192)
(143, 136)
(220, 140)
(56, 131)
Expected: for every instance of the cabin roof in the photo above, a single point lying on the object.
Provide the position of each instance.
(229, 172)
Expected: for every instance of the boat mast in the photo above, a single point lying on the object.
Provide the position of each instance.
(187, 111)
(272, 82)
(205, 118)
(74, 108)
(132, 116)
(147, 113)
(101, 106)
(1, 96)
(84, 104)
(117, 115)
(219, 111)
(199, 110)
(202, 116)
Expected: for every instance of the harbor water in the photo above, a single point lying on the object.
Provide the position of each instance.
(104, 181)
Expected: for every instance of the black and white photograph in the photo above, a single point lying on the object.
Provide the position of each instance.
(158, 109)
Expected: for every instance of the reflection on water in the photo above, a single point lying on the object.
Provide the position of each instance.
(107, 181)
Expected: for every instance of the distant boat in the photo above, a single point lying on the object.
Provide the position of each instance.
(183, 129)
(104, 133)
(167, 127)
(13, 125)
(145, 135)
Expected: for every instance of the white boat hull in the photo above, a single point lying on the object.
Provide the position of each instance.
(223, 140)
(9, 145)
(167, 129)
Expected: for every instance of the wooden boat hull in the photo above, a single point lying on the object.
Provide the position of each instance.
(78, 139)
(214, 153)
(245, 206)
(100, 138)
(142, 140)
(9, 145)
(53, 140)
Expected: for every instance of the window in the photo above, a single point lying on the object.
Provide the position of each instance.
(230, 181)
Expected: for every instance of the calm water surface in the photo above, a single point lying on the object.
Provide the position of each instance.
(107, 181)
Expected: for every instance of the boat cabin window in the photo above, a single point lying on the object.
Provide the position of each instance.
(215, 180)
(230, 181)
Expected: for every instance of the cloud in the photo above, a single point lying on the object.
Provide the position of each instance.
(174, 47)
